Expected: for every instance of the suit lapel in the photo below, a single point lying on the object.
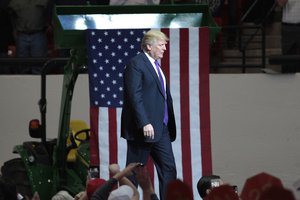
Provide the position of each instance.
(152, 72)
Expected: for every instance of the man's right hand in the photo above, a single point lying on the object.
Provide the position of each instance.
(148, 131)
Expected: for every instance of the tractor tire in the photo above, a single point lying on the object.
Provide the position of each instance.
(14, 170)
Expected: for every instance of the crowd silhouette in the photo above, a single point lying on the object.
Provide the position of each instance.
(261, 186)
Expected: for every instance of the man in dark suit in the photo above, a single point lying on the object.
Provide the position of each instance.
(148, 122)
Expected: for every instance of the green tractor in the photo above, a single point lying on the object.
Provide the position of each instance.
(47, 166)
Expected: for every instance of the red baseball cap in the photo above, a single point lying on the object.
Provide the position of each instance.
(177, 189)
(222, 192)
(277, 193)
(255, 185)
(92, 186)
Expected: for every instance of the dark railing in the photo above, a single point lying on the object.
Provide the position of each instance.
(15, 65)
(249, 38)
(284, 59)
(244, 42)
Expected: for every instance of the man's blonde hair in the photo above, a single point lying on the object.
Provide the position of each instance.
(151, 37)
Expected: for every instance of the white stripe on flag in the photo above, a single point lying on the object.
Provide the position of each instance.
(122, 145)
(103, 139)
(194, 107)
(175, 91)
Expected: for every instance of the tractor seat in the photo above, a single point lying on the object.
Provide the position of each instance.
(78, 132)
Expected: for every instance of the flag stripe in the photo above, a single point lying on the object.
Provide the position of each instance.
(194, 107)
(184, 102)
(174, 87)
(165, 63)
(94, 153)
(151, 172)
(103, 135)
(122, 145)
(204, 101)
(113, 143)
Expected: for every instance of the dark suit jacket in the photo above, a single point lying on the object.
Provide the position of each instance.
(144, 102)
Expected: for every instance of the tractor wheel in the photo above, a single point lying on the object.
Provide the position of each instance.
(15, 171)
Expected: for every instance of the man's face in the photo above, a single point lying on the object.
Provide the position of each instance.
(157, 49)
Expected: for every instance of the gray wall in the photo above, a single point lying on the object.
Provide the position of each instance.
(254, 120)
(255, 126)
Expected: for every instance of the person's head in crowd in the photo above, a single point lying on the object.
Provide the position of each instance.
(259, 183)
(206, 183)
(123, 192)
(8, 190)
(277, 193)
(92, 186)
(178, 190)
(62, 195)
(222, 192)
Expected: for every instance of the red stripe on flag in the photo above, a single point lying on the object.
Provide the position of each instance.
(150, 167)
(184, 105)
(204, 101)
(113, 140)
(165, 62)
(94, 151)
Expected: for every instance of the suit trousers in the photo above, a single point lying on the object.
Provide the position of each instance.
(162, 155)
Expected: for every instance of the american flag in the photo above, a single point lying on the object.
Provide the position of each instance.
(186, 66)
